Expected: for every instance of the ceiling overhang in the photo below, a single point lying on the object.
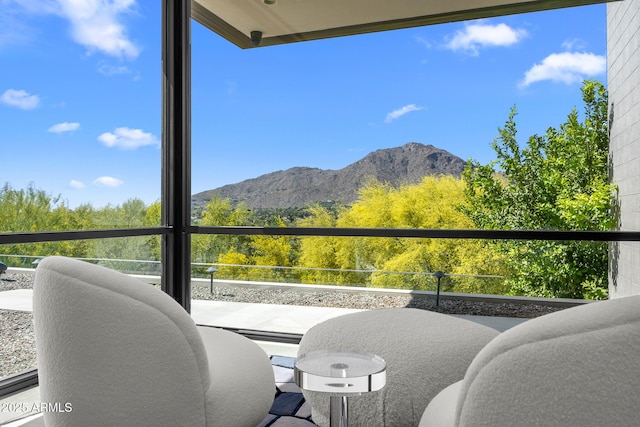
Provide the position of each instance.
(288, 21)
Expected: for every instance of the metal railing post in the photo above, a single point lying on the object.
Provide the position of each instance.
(439, 275)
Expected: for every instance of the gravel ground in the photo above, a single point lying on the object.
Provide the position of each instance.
(17, 345)
(17, 341)
(367, 301)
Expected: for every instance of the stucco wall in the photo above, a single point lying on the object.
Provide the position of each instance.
(623, 57)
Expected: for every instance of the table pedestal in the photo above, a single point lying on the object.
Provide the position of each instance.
(338, 411)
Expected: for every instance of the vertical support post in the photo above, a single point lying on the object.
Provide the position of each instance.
(439, 275)
(176, 150)
(211, 270)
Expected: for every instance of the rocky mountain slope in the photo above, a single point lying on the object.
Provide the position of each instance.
(301, 186)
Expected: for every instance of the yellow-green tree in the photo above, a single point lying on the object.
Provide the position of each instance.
(233, 266)
(318, 254)
(406, 263)
(273, 251)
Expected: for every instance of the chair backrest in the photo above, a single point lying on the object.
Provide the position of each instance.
(576, 367)
(114, 350)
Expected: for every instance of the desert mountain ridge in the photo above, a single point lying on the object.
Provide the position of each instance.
(302, 186)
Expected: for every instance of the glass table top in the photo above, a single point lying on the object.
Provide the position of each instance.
(340, 372)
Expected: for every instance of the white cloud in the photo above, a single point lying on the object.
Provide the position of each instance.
(76, 184)
(401, 112)
(108, 181)
(128, 139)
(20, 99)
(113, 70)
(574, 44)
(12, 30)
(15, 30)
(64, 127)
(38, 6)
(566, 67)
(475, 36)
(426, 43)
(96, 25)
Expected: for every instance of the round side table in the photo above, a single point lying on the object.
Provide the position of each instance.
(341, 374)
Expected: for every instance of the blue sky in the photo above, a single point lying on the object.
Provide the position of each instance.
(80, 93)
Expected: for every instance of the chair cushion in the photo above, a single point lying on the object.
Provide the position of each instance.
(242, 381)
(424, 351)
(441, 411)
(576, 367)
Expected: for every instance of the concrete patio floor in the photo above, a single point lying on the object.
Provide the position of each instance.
(261, 317)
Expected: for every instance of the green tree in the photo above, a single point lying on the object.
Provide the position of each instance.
(131, 214)
(27, 210)
(64, 218)
(153, 218)
(220, 212)
(31, 210)
(558, 181)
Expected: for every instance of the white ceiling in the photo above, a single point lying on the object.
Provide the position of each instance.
(289, 21)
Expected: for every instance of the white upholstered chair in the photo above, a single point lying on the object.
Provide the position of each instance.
(576, 367)
(117, 351)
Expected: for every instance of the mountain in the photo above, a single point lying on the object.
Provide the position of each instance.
(301, 186)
